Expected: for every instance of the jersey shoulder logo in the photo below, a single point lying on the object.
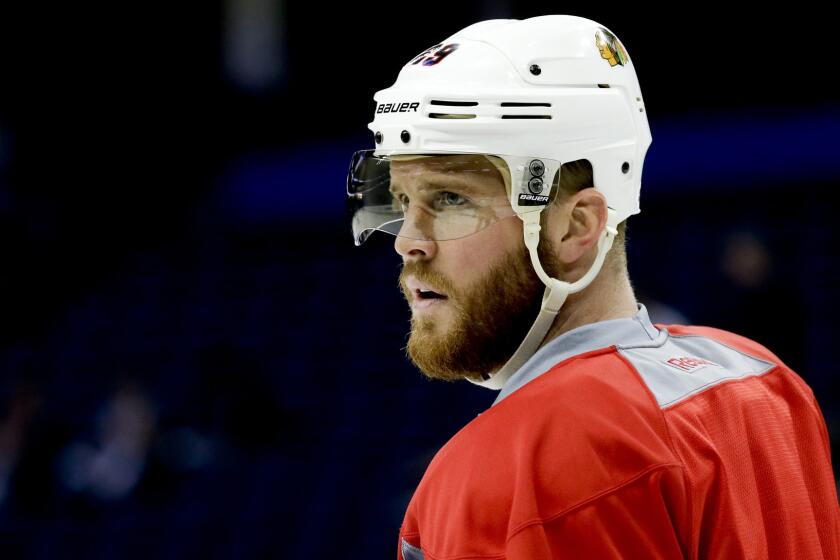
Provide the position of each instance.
(688, 363)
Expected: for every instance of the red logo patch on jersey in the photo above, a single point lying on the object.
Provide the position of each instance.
(689, 364)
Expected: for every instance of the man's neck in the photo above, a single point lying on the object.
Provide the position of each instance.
(607, 297)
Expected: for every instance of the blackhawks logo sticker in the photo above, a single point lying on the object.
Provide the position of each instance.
(611, 48)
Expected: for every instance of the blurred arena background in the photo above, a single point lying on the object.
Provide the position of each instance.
(197, 362)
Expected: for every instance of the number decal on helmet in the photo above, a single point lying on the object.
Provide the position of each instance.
(435, 54)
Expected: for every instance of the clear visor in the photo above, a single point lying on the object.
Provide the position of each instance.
(444, 196)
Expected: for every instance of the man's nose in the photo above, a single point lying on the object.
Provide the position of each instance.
(413, 242)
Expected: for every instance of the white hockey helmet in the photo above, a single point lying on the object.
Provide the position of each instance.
(526, 95)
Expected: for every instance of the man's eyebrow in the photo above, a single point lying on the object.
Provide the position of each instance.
(434, 179)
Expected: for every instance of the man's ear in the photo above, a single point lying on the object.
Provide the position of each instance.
(582, 219)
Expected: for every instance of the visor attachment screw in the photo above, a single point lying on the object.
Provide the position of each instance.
(378, 137)
(405, 136)
(535, 69)
(625, 167)
(535, 185)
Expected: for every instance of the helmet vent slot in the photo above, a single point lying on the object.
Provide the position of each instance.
(454, 103)
(450, 116)
(519, 104)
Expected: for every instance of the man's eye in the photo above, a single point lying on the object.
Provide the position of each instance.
(447, 198)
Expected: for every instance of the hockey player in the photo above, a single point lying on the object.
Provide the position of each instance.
(507, 160)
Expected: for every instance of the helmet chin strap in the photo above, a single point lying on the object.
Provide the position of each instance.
(556, 292)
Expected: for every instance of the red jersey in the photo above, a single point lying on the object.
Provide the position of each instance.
(625, 439)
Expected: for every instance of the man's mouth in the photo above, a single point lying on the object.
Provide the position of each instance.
(422, 292)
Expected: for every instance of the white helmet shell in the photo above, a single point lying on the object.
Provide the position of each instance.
(554, 86)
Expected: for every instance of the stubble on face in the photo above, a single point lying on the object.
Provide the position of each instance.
(487, 320)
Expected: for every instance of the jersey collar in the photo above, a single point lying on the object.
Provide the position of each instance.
(601, 334)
